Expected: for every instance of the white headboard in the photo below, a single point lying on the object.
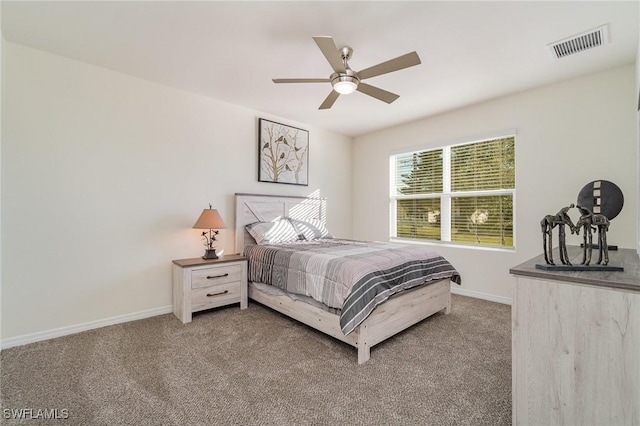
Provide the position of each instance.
(252, 208)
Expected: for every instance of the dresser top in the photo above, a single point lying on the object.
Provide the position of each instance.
(198, 261)
(629, 279)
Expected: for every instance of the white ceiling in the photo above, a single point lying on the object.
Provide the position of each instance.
(470, 51)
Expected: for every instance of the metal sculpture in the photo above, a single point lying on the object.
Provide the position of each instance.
(590, 222)
(585, 222)
(602, 222)
(547, 224)
(599, 202)
(602, 197)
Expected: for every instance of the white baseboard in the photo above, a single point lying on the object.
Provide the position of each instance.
(478, 295)
(78, 328)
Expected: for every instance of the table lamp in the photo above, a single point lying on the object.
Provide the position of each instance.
(209, 219)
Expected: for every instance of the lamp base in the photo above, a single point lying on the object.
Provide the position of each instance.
(210, 254)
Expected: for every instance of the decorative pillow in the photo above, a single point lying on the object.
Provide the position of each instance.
(311, 229)
(278, 231)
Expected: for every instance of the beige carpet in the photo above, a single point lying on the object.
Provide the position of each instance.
(257, 367)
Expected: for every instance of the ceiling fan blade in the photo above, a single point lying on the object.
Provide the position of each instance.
(401, 62)
(328, 103)
(377, 93)
(301, 80)
(330, 51)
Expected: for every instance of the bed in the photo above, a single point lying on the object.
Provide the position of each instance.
(305, 278)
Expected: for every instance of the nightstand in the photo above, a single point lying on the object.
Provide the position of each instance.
(200, 284)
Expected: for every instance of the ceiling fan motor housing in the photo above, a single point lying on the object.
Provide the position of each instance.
(345, 83)
(346, 53)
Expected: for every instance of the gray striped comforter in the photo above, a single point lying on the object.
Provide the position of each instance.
(353, 276)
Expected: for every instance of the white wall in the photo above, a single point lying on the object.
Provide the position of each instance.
(568, 134)
(638, 134)
(104, 175)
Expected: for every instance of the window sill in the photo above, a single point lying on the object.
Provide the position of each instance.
(452, 245)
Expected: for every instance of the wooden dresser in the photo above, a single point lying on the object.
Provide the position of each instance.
(576, 344)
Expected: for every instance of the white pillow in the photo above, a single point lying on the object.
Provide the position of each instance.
(312, 229)
(278, 231)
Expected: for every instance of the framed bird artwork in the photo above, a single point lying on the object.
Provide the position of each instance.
(283, 153)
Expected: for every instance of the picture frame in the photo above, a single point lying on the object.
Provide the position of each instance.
(283, 153)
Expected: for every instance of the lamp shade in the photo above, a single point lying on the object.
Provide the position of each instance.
(210, 219)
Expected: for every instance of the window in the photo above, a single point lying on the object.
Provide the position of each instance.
(459, 193)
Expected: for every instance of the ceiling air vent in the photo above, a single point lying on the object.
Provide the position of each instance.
(579, 42)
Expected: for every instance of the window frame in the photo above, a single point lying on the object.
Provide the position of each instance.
(447, 195)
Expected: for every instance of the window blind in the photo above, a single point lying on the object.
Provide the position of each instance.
(461, 193)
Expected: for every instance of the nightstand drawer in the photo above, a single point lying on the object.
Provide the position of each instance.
(216, 276)
(215, 295)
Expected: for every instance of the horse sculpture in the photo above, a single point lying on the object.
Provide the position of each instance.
(547, 224)
(590, 222)
(585, 222)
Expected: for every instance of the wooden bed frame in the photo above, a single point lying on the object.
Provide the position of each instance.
(389, 318)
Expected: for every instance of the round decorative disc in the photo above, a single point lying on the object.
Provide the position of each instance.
(603, 197)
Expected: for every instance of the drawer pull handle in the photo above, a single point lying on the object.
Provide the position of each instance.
(217, 294)
(211, 277)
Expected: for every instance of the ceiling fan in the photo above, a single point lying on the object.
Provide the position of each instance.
(345, 81)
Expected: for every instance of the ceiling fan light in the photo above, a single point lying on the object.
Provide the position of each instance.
(345, 87)
(345, 83)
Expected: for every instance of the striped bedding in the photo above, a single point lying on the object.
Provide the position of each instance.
(353, 276)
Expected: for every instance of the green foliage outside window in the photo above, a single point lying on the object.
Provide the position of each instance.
(419, 172)
(419, 218)
(482, 220)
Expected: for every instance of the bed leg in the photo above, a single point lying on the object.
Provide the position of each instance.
(364, 350)
(447, 308)
(364, 353)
